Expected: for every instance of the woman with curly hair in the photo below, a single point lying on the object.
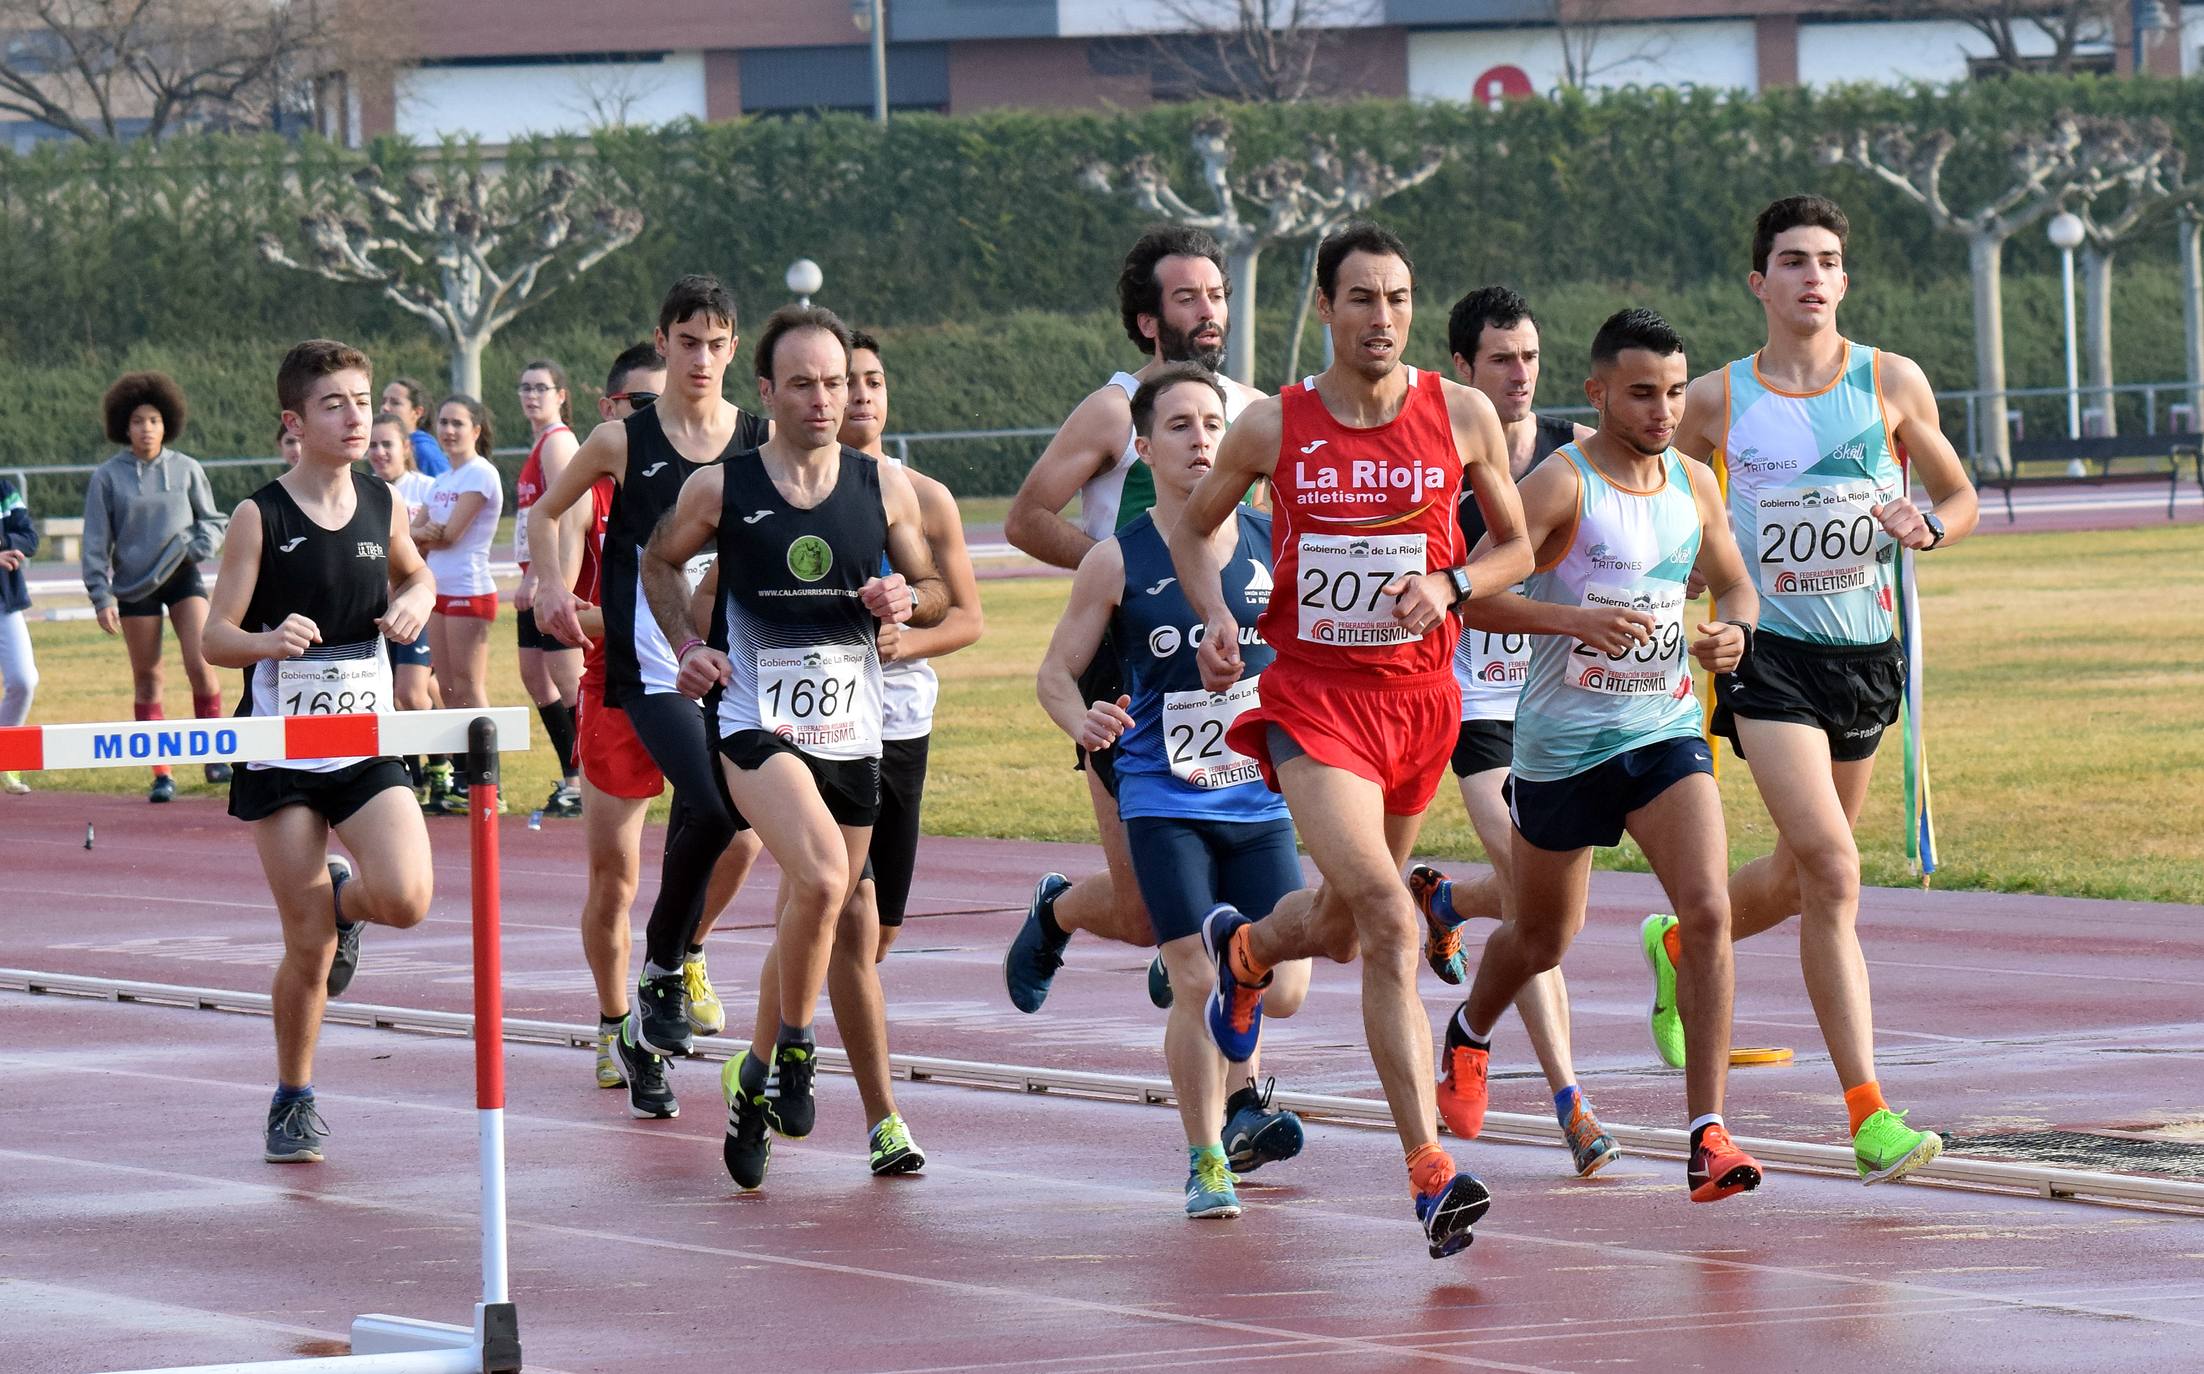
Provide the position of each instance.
(149, 518)
(453, 530)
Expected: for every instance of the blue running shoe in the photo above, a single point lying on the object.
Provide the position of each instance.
(1432, 892)
(1209, 1191)
(1030, 964)
(1235, 1008)
(1254, 1135)
(346, 961)
(1448, 1215)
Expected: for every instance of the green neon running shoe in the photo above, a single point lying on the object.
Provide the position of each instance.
(1668, 1023)
(1886, 1149)
(893, 1150)
(1209, 1191)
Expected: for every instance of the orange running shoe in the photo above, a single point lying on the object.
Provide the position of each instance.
(1462, 1094)
(1442, 943)
(1719, 1168)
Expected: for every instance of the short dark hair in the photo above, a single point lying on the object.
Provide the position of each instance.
(1501, 307)
(417, 396)
(787, 320)
(558, 380)
(1151, 392)
(1357, 236)
(642, 357)
(699, 293)
(1636, 327)
(1138, 291)
(858, 338)
(134, 389)
(484, 437)
(309, 362)
(1791, 212)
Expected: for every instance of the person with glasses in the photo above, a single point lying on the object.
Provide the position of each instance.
(551, 671)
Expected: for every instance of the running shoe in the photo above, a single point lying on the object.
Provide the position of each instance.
(1159, 981)
(747, 1147)
(448, 803)
(162, 790)
(295, 1133)
(347, 960)
(661, 1015)
(649, 1096)
(789, 1105)
(1667, 1022)
(608, 1069)
(217, 774)
(1254, 1135)
(438, 787)
(1448, 1214)
(1886, 1149)
(1209, 1191)
(564, 803)
(1030, 964)
(13, 784)
(1235, 1009)
(1442, 943)
(1719, 1169)
(1589, 1144)
(1463, 1092)
(893, 1149)
(706, 1015)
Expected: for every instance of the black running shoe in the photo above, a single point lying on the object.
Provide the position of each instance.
(1254, 1134)
(295, 1133)
(789, 1106)
(347, 961)
(162, 790)
(747, 1147)
(649, 1099)
(661, 1016)
(564, 803)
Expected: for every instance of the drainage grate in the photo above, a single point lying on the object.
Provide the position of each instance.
(2113, 1154)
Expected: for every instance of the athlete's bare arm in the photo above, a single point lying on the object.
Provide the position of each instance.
(603, 454)
(1550, 493)
(1910, 404)
(1092, 438)
(1720, 644)
(1248, 452)
(915, 592)
(464, 510)
(964, 622)
(1706, 417)
(686, 530)
(225, 643)
(1505, 557)
(1094, 592)
(412, 585)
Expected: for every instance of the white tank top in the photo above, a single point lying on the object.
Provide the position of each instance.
(909, 691)
(1102, 505)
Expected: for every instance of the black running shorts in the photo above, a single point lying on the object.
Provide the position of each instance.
(849, 787)
(1590, 810)
(1482, 746)
(258, 793)
(1851, 692)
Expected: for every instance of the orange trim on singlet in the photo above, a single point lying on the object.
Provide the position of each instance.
(1760, 377)
(1882, 411)
(1576, 513)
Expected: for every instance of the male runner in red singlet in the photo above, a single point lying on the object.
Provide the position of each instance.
(1359, 712)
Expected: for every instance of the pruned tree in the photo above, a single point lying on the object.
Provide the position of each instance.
(2153, 181)
(1587, 30)
(1288, 198)
(2070, 26)
(2074, 157)
(2190, 221)
(1256, 52)
(462, 250)
(96, 69)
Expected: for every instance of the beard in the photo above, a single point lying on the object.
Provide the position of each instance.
(1179, 347)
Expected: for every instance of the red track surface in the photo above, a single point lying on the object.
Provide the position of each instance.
(1045, 1232)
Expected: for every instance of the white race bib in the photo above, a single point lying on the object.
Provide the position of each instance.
(334, 686)
(1340, 584)
(1194, 726)
(520, 537)
(1814, 540)
(811, 698)
(695, 569)
(1498, 661)
(1652, 668)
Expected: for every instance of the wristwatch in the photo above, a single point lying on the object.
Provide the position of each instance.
(1458, 579)
(1935, 529)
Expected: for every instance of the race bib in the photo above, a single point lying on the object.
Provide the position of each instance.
(695, 569)
(1652, 668)
(1814, 540)
(1194, 726)
(810, 698)
(1341, 583)
(520, 537)
(333, 686)
(1496, 660)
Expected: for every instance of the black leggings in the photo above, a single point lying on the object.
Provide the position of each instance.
(678, 736)
(895, 834)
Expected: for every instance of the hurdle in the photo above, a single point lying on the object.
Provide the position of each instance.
(381, 1344)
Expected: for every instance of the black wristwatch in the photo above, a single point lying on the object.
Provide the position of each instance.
(1458, 579)
(1935, 529)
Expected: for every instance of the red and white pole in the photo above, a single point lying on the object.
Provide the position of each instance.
(496, 1327)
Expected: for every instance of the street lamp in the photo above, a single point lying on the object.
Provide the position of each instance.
(871, 17)
(804, 277)
(2066, 236)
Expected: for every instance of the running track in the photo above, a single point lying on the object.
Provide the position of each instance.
(1044, 1234)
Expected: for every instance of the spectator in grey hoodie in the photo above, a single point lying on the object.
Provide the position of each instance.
(149, 518)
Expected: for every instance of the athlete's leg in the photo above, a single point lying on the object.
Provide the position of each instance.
(189, 616)
(1792, 769)
(18, 669)
(413, 686)
(818, 860)
(1765, 893)
(141, 636)
(673, 731)
(1544, 1001)
(1682, 834)
(1197, 1070)
(462, 654)
(613, 830)
(860, 1009)
(1545, 915)
(1107, 904)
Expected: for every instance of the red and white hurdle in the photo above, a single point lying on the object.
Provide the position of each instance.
(380, 1344)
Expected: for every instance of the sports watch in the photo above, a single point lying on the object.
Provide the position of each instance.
(1935, 529)
(1458, 578)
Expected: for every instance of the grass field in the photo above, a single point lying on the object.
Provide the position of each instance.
(2064, 723)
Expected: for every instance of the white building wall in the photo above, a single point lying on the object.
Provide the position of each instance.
(2192, 40)
(500, 103)
(1460, 64)
(1892, 52)
(1110, 18)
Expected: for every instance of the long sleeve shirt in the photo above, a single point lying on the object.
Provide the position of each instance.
(142, 520)
(17, 533)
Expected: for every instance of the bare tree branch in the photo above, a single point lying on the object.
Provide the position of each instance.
(2068, 25)
(1263, 52)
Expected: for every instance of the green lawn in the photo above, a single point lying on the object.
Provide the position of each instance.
(2064, 713)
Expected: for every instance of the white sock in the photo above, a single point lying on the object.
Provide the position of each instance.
(1710, 1119)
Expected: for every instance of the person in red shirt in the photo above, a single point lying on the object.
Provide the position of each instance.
(1358, 714)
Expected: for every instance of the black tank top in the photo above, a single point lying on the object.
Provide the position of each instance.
(799, 639)
(637, 657)
(1553, 431)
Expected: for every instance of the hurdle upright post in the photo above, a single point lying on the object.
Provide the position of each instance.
(496, 1322)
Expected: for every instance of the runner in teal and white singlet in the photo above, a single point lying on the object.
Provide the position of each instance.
(1607, 732)
(1813, 437)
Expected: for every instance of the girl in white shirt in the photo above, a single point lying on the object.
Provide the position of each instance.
(454, 529)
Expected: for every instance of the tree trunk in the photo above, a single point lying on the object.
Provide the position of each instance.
(2192, 306)
(1301, 305)
(1239, 345)
(1986, 260)
(2097, 336)
(466, 369)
